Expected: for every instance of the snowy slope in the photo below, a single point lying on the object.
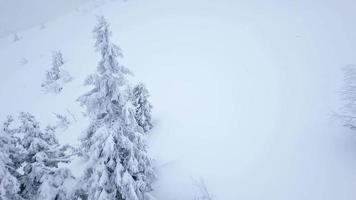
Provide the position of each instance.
(242, 91)
(17, 15)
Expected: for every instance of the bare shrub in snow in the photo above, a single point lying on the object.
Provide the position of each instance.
(63, 121)
(23, 61)
(72, 115)
(118, 164)
(56, 77)
(42, 26)
(16, 37)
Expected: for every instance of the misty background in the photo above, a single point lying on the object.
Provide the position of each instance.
(243, 91)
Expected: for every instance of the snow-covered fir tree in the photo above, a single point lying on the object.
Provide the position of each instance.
(56, 76)
(118, 166)
(9, 151)
(15, 148)
(40, 155)
(142, 106)
(57, 62)
(57, 185)
(9, 185)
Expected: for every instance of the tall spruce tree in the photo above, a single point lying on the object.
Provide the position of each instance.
(119, 167)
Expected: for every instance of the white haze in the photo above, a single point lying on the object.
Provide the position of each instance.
(243, 91)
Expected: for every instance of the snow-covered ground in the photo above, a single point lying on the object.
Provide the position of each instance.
(243, 91)
(16, 15)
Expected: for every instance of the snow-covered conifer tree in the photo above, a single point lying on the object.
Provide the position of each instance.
(43, 153)
(56, 77)
(143, 107)
(56, 185)
(9, 184)
(119, 167)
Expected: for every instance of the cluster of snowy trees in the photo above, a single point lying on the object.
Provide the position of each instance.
(33, 163)
(30, 159)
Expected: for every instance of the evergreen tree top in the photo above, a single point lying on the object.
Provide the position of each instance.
(109, 52)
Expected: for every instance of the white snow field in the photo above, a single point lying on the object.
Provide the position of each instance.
(16, 15)
(243, 91)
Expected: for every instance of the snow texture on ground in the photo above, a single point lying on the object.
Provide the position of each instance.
(243, 91)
